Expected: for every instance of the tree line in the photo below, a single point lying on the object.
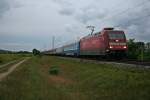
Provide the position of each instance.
(138, 50)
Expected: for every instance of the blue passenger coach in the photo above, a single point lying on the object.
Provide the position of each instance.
(72, 49)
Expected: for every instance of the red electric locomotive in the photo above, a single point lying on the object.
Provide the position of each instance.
(106, 42)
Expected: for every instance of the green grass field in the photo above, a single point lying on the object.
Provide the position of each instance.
(76, 81)
(5, 58)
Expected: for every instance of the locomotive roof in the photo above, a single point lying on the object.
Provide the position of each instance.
(98, 33)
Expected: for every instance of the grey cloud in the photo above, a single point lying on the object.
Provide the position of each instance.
(4, 6)
(16, 46)
(63, 2)
(67, 11)
(88, 14)
(71, 28)
(136, 21)
(82, 14)
(66, 7)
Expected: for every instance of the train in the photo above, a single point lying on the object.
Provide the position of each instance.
(108, 42)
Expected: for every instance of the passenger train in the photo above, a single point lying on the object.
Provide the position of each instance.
(108, 42)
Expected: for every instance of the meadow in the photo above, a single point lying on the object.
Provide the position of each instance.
(76, 80)
(5, 58)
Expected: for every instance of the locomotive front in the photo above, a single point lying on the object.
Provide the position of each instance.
(116, 41)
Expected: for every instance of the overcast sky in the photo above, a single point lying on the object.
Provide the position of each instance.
(28, 24)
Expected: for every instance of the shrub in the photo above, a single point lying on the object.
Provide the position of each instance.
(54, 70)
(0, 60)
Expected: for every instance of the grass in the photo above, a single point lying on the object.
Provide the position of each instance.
(77, 81)
(10, 59)
(5, 69)
(8, 66)
(54, 70)
(5, 58)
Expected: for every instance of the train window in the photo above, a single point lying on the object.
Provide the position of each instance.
(116, 35)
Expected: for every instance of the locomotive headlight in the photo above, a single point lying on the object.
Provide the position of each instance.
(111, 47)
(125, 47)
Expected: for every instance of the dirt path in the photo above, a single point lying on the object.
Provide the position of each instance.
(1, 66)
(5, 74)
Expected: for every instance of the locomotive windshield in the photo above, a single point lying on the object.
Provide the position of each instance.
(114, 35)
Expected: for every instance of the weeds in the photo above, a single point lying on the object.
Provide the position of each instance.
(54, 70)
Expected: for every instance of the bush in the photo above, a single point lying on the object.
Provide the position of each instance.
(0, 60)
(54, 70)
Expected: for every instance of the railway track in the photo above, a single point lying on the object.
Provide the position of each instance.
(127, 62)
(143, 63)
(134, 63)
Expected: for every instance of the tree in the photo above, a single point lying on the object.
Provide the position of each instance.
(148, 46)
(147, 53)
(36, 52)
(140, 50)
(132, 49)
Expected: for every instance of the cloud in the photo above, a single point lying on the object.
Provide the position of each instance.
(67, 11)
(4, 6)
(16, 46)
(132, 16)
(136, 21)
(66, 7)
(89, 14)
(83, 14)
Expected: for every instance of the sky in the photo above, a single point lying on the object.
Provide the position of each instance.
(28, 24)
